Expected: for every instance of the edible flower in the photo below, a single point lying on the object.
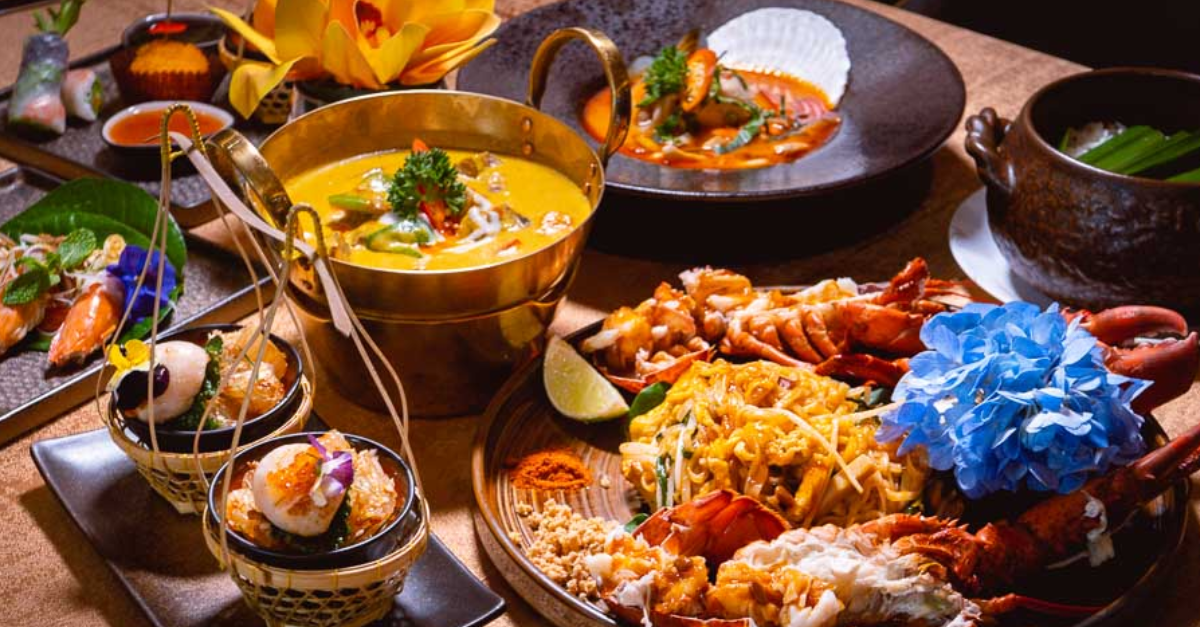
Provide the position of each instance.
(129, 267)
(1013, 395)
(335, 474)
(362, 43)
(123, 359)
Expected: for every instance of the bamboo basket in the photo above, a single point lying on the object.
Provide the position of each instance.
(182, 478)
(347, 597)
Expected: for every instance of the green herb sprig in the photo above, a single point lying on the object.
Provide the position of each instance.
(427, 177)
(40, 276)
(665, 76)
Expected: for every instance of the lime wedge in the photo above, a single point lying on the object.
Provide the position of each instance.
(576, 389)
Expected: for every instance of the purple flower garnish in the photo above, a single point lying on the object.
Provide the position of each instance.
(1012, 395)
(335, 474)
(129, 267)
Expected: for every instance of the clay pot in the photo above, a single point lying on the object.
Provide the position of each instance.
(1082, 235)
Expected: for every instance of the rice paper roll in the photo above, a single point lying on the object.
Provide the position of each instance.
(36, 101)
(82, 94)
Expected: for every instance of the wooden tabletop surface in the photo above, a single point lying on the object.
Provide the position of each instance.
(54, 577)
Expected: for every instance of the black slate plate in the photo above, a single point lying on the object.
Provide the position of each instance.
(170, 572)
(904, 99)
(218, 290)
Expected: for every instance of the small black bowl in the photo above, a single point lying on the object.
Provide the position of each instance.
(373, 548)
(180, 441)
(201, 29)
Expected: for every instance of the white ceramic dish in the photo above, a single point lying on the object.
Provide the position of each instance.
(976, 252)
(225, 117)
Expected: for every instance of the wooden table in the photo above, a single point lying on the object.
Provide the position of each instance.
(54, 577)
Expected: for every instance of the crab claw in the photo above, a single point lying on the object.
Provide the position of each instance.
(667, 374)
(1171, 362)
(863, 367)
(713, 526)
(1119, 324)
(1158, 469)
(1012, 602)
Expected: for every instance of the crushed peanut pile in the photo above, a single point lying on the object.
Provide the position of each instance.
(562, 539)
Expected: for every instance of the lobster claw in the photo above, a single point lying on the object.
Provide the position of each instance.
(713, 526)
(1171, 363)
(864, 367)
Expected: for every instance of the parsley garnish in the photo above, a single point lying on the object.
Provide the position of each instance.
(427, 178)
(665, 76)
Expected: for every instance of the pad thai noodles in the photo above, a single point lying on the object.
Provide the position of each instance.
(802, 443)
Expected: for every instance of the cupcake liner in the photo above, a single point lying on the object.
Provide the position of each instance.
(146, 86)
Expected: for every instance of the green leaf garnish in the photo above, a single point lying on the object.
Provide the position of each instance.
(76, 248)
(746, 134)
(650, 397)
(103, 206)
(665, 76)
(670, 128)
(636, 521)
(28, 286)
(428, 176)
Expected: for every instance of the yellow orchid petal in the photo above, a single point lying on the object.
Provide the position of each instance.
(117, 358)
(253, 37)
(396, 14)
(389, 60)
(450, 33)
(342, 12)
(481, 5)
(252, 80)
(299, 24)
(341, 57)
(433, 70)
(263, 18)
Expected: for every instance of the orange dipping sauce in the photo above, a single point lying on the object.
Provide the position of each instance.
(764, 150)
(143, 127)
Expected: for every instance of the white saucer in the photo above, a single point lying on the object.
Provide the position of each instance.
(975, 250)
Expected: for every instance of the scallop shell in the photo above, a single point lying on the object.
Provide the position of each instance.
(793, 41)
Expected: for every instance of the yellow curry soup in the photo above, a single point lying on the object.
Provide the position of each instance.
(536, 205)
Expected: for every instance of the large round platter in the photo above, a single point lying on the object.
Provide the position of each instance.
(521, 420)
(904, 98)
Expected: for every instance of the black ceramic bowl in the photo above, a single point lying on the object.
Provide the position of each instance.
(1085, 236)
(903, 99)
(202, 29)
(180, 441)
(373, 548)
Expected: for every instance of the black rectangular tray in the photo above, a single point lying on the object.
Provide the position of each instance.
(218, 289)
(170, 572)
(81, 150)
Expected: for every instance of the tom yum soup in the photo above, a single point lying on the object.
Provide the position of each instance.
(434, 209)
(763, 92)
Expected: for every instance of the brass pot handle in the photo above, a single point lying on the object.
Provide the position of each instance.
(614, 72)
(244, 168)
(985, 133)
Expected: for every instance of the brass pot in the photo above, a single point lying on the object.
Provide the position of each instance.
(453, 335)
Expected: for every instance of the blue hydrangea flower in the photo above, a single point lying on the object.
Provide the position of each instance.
(129, 266)
(1012, 395)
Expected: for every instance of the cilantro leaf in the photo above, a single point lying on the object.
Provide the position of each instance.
(428, 176)
(665, 76)
(28, 286)
(76, 247)
(636, 522)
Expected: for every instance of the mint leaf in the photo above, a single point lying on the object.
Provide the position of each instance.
(27, 286)
(76, 248)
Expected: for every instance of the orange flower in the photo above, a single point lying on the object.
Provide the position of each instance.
(363, 43)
